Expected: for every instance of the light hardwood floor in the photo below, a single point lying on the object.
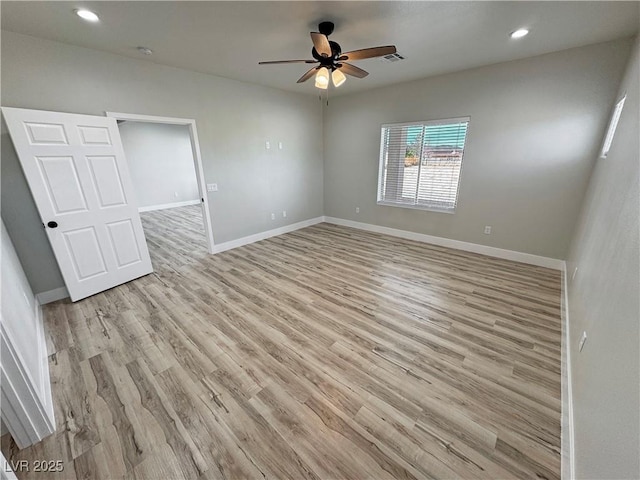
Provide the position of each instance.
(326, 353)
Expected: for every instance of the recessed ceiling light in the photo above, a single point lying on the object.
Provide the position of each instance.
(87, 15)
(521, 32)
(145, 50)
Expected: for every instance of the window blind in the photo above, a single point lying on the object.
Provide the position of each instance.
(420, 163)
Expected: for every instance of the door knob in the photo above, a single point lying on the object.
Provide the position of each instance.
(52, 224)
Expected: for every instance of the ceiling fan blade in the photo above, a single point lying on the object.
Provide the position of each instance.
(310, 73)
(352, 70)
(321, 44)
(368, 53)
(275, 62)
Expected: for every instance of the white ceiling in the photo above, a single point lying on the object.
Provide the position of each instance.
(229, 38)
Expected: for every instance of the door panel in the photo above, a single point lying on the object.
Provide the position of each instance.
(46, 134)
(94, 135)
(62, 183)
(122, 235)
(78, 176)
(107, 181)
(85, 252)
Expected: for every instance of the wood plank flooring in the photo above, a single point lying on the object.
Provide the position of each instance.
(326, 353)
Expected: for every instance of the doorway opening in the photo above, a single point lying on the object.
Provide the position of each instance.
(165, 163)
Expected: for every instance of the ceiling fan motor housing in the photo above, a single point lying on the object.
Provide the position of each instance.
(329, 62)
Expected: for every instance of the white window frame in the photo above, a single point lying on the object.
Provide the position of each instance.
(425, 123)
(613, 125)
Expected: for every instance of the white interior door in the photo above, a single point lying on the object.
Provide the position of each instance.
(78, 176)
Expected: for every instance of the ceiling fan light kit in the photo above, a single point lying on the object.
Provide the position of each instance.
(329, 58)
(338, 78)
(322, 78)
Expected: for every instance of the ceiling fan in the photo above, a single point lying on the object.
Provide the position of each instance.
(330, 59)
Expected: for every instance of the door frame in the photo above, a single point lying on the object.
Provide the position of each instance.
(197, 159)
(29, 417)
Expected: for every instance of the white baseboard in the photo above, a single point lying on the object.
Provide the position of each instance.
(221, 247)
(52, 295)
(164, 206)
(567, 449)
(537, 260)
(60, 293)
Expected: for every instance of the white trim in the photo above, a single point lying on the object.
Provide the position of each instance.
(221, 247)
(52, 295)
(165, 206)
(6, 472)
(29, 419)
(197, 159)
(386, 203)
(25, 393)
(567, 449)
(537, 260)
(441, 121)
(44, 361)
(134, 117)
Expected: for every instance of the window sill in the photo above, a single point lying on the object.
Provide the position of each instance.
(450, 211)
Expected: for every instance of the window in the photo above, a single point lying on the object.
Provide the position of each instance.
(420, 164)
(612, 127)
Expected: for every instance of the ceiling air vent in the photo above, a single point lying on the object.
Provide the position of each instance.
(393, 57)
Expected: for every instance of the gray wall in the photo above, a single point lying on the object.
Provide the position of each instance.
(160, 162)
(535, 126)
(604, 301)
(234, 120)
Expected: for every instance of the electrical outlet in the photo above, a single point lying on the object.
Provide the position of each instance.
(583, 339)
(212, 187)
(357, 209)
(280, 146)
(267, 145)
(176, 194)
(273, 216)
(284, 214)
(487, 230)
